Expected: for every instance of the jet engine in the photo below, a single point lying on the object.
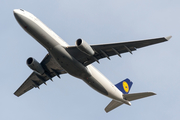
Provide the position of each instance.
(84, 47)
(34, 65)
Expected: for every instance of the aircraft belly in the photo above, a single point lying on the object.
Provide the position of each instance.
(112, 91)
(92, 82)
(67, 62)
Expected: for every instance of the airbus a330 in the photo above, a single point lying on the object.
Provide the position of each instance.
(76, 60)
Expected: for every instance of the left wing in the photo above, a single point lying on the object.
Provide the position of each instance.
(107, 50)
(51, 67)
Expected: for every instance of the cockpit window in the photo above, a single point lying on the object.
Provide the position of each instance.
(21, 9)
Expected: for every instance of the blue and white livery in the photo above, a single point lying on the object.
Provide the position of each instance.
(76, 60)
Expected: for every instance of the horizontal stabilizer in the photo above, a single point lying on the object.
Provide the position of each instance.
(112, 105)
(129, 97)
(135, 96)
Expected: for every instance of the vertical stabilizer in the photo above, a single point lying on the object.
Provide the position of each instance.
(124, 86)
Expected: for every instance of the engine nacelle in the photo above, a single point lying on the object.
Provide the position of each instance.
(34, 65)
(84, 47)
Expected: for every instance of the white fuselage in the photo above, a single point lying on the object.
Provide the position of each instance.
(56, 47)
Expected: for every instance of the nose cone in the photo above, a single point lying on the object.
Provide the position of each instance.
(16, 13)
(18, 10)
(19, 14)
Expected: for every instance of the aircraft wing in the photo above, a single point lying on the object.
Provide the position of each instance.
(107, 50)
(51, 67)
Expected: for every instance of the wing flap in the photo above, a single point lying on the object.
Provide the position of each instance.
(112, 105)
(135, 96)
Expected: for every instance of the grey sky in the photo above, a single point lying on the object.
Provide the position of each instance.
(155, 68)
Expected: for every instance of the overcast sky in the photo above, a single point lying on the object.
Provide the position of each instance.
(155, 68)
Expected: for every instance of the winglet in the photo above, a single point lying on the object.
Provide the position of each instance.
(169, 37)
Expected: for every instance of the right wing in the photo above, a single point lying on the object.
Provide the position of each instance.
(51, 67)
(107, 50)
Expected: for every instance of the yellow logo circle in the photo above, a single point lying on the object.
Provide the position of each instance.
(125, 86)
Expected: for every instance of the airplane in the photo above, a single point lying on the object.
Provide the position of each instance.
(76, 60)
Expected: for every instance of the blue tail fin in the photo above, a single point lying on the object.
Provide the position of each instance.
(124, 86)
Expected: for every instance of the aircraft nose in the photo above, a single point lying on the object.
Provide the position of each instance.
(15, 11)
(18, 14)
(18, 11)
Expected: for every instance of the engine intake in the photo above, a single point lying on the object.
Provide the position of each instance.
(35, 65)
(84, 47)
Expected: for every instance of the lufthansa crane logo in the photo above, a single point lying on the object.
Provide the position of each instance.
(126, 87)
